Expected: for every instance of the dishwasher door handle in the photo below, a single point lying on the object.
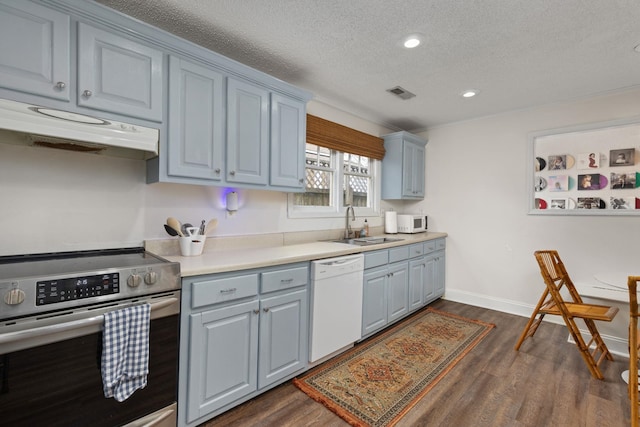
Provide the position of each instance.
(340, 262)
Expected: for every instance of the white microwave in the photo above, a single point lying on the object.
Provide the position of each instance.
(412, 223)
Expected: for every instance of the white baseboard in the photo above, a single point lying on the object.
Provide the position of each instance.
(617, 344)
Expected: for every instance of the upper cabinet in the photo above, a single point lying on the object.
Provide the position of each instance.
(221, 122)
(35, 49)
(118, 75)
(247, 133)
(196, 121)
(288, 130)
(113, 73)
(403, 167)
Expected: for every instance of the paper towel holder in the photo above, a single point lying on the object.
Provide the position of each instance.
(232, 202)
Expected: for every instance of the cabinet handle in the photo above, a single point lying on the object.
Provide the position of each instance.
(286, 280)
(232, 173)
(87, 93)
(61, 85)
(265, 310)
(228, 291)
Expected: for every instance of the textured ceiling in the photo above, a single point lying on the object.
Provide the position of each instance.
(518, 53)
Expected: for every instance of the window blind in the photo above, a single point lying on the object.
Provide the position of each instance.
(338, 137)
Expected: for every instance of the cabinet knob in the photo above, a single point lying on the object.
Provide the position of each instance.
(265, 310)
(87, 93)
(256, 311)
(217, 170)
(301, 180)
(232, 173)
(61, 85)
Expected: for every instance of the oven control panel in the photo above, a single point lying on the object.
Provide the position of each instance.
(75, 288)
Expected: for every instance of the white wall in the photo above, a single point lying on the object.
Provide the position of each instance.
(477, 192)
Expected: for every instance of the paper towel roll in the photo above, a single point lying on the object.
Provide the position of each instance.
(391, 222)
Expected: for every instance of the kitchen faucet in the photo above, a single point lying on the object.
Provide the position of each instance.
(347, 227)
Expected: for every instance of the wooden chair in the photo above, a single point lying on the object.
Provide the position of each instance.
(634, 342)
(552, 302)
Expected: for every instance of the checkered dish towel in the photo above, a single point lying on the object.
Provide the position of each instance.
(125, 351)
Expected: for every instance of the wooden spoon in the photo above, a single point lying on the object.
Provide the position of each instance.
(210, 226)
(175, 224)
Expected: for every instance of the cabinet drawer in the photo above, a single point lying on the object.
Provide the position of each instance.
(429, 246)
(398, 254)
(213, 291)
(375, 259)
(416, 250)
(284, 279)
(441, 243)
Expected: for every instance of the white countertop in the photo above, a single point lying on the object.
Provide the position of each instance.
(219, 261)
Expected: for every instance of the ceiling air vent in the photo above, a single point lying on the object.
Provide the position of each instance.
(401, 93)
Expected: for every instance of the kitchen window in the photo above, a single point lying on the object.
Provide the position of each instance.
(334, 180)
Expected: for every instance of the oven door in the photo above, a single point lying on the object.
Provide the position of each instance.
(50, 370)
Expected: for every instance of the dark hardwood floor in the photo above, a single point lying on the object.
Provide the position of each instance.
(546, 383)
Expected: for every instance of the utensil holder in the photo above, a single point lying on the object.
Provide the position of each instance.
(192, 245)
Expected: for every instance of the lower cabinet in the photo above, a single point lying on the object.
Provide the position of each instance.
(400, 280)
(241, 334)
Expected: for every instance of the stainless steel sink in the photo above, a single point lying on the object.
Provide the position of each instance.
(367, 241)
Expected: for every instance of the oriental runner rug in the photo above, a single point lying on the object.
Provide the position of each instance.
(380, 380)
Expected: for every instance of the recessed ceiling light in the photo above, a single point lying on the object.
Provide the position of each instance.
(469, 93)
(413, 40)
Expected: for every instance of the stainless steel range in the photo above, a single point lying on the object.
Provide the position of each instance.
(51, 321)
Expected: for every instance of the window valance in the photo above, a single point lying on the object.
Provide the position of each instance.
(338, 137)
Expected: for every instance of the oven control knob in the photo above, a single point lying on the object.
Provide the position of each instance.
(14, 297)
(134, 280)
(151, 278)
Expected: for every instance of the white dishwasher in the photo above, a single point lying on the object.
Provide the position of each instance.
(336, 304)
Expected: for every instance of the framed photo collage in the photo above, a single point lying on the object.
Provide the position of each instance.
(586, 170)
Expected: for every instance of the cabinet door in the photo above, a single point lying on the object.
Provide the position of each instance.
(288, 136)
(247, 133)
(374, 304)
(429, 279)
(398, 291)
(196, 125)
(416, 282)
(413, 170)
(118, 75)
(283, 336)
(439, 276)
(34, 49)
(221, 373)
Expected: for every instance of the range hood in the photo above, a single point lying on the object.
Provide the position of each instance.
(41, 126)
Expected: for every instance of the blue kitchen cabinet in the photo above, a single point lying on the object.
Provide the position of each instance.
(417, 269)
(386, 288)
(440, 274)
(403, 167)
(374, 300)
(434, 283)
(196, 120)
(223, 354)
(242, 333)
(35, 55)
(288, 142)
(119, 75)
(247, 133)
(283, 336)
(113, 73)
(398, 291)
